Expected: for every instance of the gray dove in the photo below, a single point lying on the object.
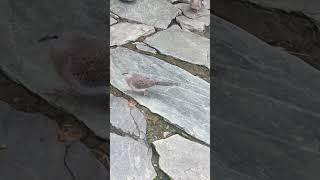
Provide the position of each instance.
(140, 82)
(82, 62)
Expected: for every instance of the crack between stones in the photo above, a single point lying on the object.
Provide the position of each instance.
(66, 151)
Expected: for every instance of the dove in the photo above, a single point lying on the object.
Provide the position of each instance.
(140, 82)
(196, 5)
(82, 62)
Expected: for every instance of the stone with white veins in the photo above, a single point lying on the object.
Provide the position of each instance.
(129, 159)
(143, 47)
(186, 105)
(154, 13)
(191, 24)
(181, 158)
(128, 119)
(182, 44)
(123, 33)
(112, 21)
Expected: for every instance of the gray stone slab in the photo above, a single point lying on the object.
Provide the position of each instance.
(310, 8)
(128, 119)
(187, 11)
(129, 159)
(26, 60)
(123, 33)
(84, 165)
(186, 105)
(154, 13)
(112, 21)
(182, 44)
(178, 159)
(266, 107)
(143, 47)
(192, 24)
(34, 152)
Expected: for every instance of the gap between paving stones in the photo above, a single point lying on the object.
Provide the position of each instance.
(21, 99)
(154, 132)
(297, 33)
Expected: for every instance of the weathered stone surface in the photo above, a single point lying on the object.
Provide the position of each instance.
(143, 47)
(265, 100)
(178, 159)
(34, 152)
(191, 24)
(154, 13)
(112, 21)
(84, 165)
(123, 33)
(128, 119)
(310, 8)
(185, 8)
(182, 44)
(129, 159)
(186, 105)
(27, 61)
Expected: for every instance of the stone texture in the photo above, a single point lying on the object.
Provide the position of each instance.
(178, 159)
(112, 21)
(123, 33)
(191, 24)
(186, 105)
(144, 47)
(183, 45)
(27, 61)
(310, 8)
(128, 119)
(154, 13)
(266, 119)
(185, 8)
(129, 159)
(33, 151)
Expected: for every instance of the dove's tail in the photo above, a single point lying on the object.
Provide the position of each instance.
(166, 83)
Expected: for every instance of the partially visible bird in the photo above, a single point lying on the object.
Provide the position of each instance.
(82, 62)
(196, 5)
(140, 82)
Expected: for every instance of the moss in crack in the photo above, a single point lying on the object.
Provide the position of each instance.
(196, 70)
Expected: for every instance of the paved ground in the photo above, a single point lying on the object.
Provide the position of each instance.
(155, 136)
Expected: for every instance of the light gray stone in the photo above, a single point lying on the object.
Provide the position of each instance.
(154, 13)
(34, 152)
(27, 61)
(123, 33)
(181, 158)
(182, 44)
(143, 47)
(128, 119)
(186, 105)
(129, 159)
(112, 21)
(113, 15)
(187, 11)
(191, 24)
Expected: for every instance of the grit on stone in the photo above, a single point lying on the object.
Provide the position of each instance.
(27, 61)
(129, 159)
(154, 13)
(191, 24)
(183, 45)
(128, 119)
(181, 158)
(186, 105)
(34, 152)
(123, 33)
